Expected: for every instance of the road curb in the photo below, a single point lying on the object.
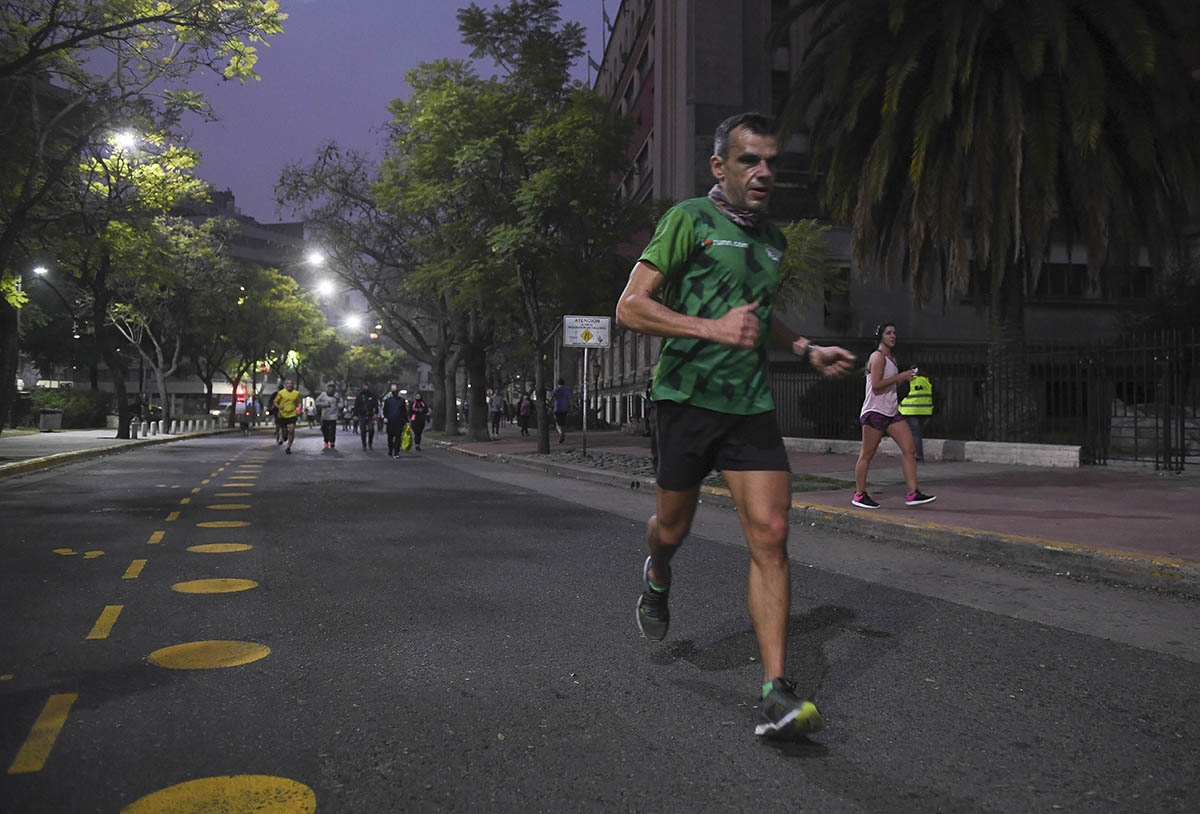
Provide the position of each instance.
(61, 458)
(1169, 574)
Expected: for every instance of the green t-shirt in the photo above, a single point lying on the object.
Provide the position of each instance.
(712, 265)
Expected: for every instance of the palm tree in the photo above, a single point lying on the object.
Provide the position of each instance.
(958, 138)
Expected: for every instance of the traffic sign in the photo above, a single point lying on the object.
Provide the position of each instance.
(586, 332)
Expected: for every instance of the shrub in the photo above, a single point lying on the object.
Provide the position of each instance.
(82, 409)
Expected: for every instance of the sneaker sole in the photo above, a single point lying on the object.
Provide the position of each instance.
(920, 502)
(793, 723)
(864, 505)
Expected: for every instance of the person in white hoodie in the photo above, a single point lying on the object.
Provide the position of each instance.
(329, 405)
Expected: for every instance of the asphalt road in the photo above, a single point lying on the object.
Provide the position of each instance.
(440, 633)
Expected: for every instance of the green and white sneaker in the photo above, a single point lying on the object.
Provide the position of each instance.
(782, 714)
(653, 616)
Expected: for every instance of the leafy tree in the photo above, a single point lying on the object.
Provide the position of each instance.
(74, 71)
(959, 138)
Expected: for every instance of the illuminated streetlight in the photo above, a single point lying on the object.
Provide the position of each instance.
(315, 257)
(354, 322)
(325, 288)
(39, 270)
(125, 140)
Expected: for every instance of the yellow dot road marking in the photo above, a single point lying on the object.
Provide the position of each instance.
(243, 792)
(223, 524)
(66, 552)
(37, 746)
(196, 491)
(156, 537)
(6, 677)
(91, 555)
(219, 548)
(214, 586)
(233, 494)
(228, 507)
(134, 570)
(204, 481)
(183, 501)
(210, 655)
(172, 517)
(104, 625)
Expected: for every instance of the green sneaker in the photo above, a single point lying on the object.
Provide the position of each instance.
(653, 616)
(782, 715)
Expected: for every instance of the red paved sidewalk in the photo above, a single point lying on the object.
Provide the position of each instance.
(1102, 509)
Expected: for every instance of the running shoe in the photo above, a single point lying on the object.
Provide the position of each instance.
(864, 501)
(653, 616)
(781, 714)
(917, 498)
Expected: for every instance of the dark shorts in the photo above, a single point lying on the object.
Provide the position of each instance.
(286, 421)
(879, 421)
(693, 441)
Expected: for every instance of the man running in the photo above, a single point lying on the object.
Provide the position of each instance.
(714, 262)
(287, 403)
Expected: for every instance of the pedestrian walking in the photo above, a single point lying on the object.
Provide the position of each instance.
(560, 399)
(524, 411)
(495, 410)
(347, 416)
(329, 404)
(395, 417)
(715, 263)
(417, 418)
(287, 402)
(917, 407)
(880, 416)
(366, 407)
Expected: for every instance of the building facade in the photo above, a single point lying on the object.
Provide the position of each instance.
(678, 68)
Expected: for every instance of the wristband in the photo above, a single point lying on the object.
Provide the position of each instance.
(806, 354)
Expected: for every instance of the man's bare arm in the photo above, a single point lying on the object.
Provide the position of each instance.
(638, 310)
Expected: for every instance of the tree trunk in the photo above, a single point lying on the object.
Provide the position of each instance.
(541, 374)
(1009, 411)
(9, 359)
(476, 362)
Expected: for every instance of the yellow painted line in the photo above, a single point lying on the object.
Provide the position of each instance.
(37, 746)
(196, 491)
(222, 524)
(239, 792)
(209, 655)
(156, 537)
(228, 507)
(184, 501)
(134, 570)
(219, 548)
(172, 517)
(214, 586)
(232, 494)
(204, 481)
(104, 625)
(6, 677)
(238, 485)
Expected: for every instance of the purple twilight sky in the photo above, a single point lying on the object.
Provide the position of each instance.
(330, 76)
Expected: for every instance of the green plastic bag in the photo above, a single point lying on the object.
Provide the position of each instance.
(406, 438)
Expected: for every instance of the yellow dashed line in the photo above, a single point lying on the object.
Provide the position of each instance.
(172, 517)
(156, 537)
(196, 491)
(134, 570)
(204, 481)
(37, 746)
(104, 625)
(184, 501)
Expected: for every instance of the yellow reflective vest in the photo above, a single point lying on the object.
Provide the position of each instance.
(919, 400)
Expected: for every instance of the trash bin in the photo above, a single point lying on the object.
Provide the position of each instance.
(50, 419)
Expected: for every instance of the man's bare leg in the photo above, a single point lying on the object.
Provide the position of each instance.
(667, 529)
(763, 500)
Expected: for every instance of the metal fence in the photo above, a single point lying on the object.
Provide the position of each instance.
(1131, 399)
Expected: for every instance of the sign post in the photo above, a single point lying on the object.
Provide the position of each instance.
(586, 332)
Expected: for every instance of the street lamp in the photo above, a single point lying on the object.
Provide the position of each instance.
(315, 257)
(326, 287)
(125, 140)
(354, 322)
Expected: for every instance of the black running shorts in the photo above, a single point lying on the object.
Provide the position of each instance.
(693, 441)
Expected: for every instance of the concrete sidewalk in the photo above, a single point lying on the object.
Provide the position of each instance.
(22, 452)
(1127, 525)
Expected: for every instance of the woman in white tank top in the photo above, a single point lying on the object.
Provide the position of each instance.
(880, 415)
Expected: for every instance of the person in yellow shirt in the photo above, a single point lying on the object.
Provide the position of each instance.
(287, 401)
